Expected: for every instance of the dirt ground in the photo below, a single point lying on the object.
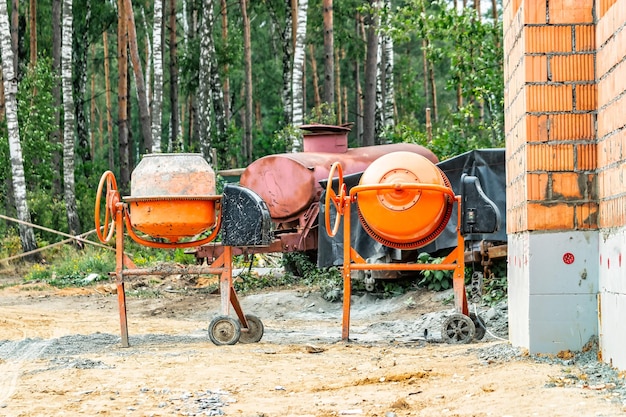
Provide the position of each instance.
(60, 355)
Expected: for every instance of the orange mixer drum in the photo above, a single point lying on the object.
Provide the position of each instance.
(400, 217)
(172, 196)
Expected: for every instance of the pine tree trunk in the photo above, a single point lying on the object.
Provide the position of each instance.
(247, 52)
(122, 99)
(175, 139)
(337, 87)
(299, 58)
(157, 89)
(144, 112)
(433, 90)
(109, 108)
(80, 54)
(317, 99)
(329, 53)
(73, 221)
(56, 94)
(27, 235)
(33, 33)
(357, 80)
(371, 70)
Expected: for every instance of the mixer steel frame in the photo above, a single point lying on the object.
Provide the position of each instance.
(352, 260)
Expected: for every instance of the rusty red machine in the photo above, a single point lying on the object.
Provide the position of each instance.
(174, 204)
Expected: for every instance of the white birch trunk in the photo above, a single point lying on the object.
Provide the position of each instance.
(298, 70)
(27, 236)
(287, 42)
(204, 81)
(389, 97)
(68, 109)
(157, 90)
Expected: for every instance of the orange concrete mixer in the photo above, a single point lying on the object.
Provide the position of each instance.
(174, 205)
(405, 201)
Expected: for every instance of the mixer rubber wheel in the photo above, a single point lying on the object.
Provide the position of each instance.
(254, 333)
(458, 329)
(224, 330)
(479, 325)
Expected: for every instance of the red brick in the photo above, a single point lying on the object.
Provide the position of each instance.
(585, 38)
(586, 156)
(548, 98)
(578, 67)
(586, 97)
(537, 128)
(541, 157)
(546, 39)
(536, 68)
(535, 11)
(571, 11)
(552, 216)
(568, 186)
(537, 185)
(586, 216)
(570, 126)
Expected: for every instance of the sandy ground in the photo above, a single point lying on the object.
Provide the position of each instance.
(60, 355)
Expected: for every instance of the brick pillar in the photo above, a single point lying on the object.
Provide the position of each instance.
(611, 78)
(552, 207)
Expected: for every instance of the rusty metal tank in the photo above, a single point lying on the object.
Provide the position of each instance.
(401, 216)
(289, 182)
(172, 196)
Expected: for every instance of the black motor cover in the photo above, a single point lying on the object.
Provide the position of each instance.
(245, 218)
(480, 214)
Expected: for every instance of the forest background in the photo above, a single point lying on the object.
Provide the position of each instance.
(92, 86)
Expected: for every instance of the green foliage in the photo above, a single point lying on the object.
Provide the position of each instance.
(328, 280)
(434, 280)
(322, 114)
(495, 287)
(36, 121)
(466, 53)
(10, 244)
(72, 268)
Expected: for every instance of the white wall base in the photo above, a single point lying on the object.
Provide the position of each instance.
(553, 287)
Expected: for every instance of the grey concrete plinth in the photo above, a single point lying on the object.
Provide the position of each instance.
(553, 287)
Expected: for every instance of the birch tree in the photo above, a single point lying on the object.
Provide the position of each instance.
(27, 235)
(73, 221)
(204, 84)
(287, 43)
(298, 68)
(157, 89)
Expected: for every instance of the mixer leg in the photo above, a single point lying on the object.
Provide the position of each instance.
(119, 273)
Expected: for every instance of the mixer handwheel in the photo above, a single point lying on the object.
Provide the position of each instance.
(111, 199)
(458, 329)
(224, 330)
(254, 332)
(337, 199)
